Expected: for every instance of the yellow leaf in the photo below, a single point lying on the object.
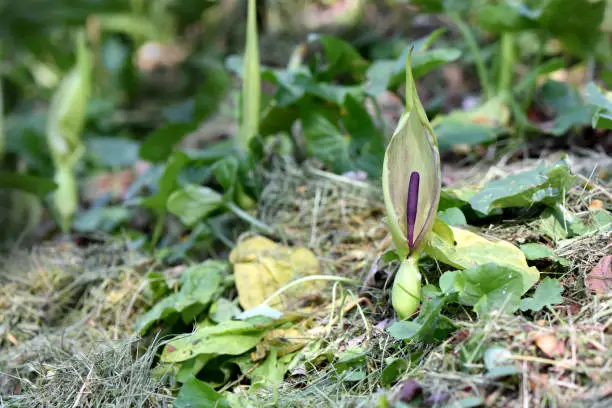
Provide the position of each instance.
(470, 249)
(261, 267)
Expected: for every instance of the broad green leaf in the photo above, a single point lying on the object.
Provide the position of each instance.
(105, 219)
(567, 104)
(367, 143)
(452, 216)
(223, 310)
(454, 132)
(412, 150)
(228, 338)
(547, 293)
(389, 74)
(424, 62)
(470, 250)
(393, 370)
(430, 326)
(341, 57)
(38, 186)
(602, 120)
(535, 251)
(580, 33)
(487, 287)
(198, 394)
(596, 97)
(167, 183)
(159, 145)
(543, 184)
(505, 16)
(194, 203)
(226, 172)
(457, 197)
(325, 142)
(251, 85)
(199, 285)
(113, 151)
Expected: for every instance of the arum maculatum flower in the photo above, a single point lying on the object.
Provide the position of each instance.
(411, 188)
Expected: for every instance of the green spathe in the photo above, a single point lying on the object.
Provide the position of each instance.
(413, 148)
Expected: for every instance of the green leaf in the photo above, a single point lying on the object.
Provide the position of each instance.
(547, 293)
(504, 17)
(602, 120)
(546, 185)
(366, 141)
(569, 108)
(394, 369)
(105, 219)
(452, 216)
(468, 250)
(427, 61)
(194, 203)
(580, 33)
(113, 151)
(199, 285)
(223, 310)
(596, 97)
(325, 142)
(534, 251)
(488, 287)
(228, 338)
(167, 183)
(430, 325)
(198, 394)
(226, 172)
(159, 145)
(38, 186)
(454, 132)
(341, 57)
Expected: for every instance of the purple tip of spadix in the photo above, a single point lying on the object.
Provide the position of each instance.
(411, 206)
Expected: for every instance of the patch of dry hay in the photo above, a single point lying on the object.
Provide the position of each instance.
(62, 301)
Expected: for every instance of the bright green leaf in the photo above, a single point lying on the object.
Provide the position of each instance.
(38, 186)
(193, 203)
(198, 394)
(167, 183)
(325, 142)
(535, 251)
(452, 216)
(228, 338)
(159, 145)
(393, 371)
(547, 185)
(199, 284)
(547, 293)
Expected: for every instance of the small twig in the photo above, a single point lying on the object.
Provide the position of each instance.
(82, 390)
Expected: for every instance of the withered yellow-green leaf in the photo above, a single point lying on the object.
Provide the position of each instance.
(261, 267)
(411, 176)
(467, 249)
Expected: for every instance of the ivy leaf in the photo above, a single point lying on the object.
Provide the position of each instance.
(543, 184)
(168, 182)
(227, 338)
(199, 394)
(486, 287)
(430, 325)
(535, 251)
(199, 285)
(547, 293)
(193, 203)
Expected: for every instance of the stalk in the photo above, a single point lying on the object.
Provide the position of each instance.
(472, 44)
(508, 57)
(251, 85)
